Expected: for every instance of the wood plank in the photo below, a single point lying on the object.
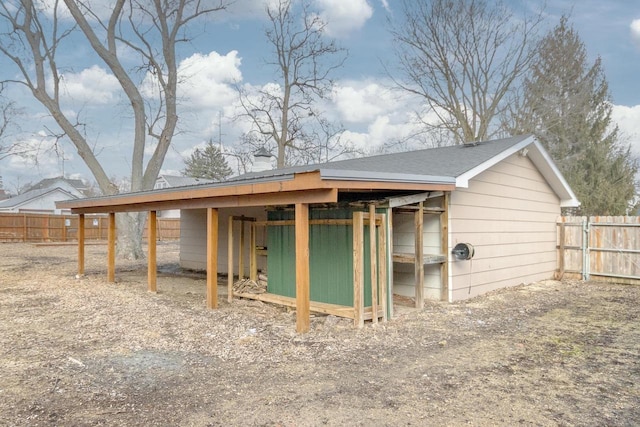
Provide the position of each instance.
(302, 268)
(124, 204)
(111, 248)
(382, 267)
(230, 260)
(253, 257)
(411, 199)
(408, 258)
(390, 272)
(373, 260)
(81, 244)
(212, 258)
(444, 248)
(358, 268)
(561, 251)
(152, 238)
(314, 306)
(241, 251)
(419, 267)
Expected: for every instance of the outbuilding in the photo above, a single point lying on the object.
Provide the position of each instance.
(344, 237)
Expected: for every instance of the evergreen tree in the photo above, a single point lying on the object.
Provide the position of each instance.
(566, 105)
(208, 163)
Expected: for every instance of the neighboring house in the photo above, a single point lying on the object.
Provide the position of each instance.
(38, 201)
(173, 181)
(74, 186)
(498, 200)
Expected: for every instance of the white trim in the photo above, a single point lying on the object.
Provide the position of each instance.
(462, 181)
(542, 161)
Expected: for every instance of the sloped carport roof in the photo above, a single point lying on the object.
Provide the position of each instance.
(434, 169)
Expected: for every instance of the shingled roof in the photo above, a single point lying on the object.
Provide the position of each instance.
(449, 162)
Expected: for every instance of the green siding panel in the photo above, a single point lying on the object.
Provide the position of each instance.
(330, 258)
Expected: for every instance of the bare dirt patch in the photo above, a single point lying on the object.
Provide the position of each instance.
(87, 352)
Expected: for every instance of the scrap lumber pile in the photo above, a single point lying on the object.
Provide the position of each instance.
(248, 286)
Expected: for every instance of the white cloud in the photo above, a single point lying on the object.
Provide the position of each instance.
(360, 102)
(635, 31)
(628, 120)
(343, 17)
(205, 80)
(92, 85)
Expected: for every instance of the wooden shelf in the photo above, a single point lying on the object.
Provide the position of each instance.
(404, 258)
(413, 209)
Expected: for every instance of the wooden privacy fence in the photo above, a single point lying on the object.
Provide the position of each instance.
(31, 227)
(600, 247)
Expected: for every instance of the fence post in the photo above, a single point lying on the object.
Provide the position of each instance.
(24, 227)
(586, 238)
(561, 249)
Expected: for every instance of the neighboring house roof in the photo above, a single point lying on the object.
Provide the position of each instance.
(445, 167)
(182, 181)
(29, 196)
(78, 184)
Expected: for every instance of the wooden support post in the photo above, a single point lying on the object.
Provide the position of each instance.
(241, 252)
(373, 260)
(230, 260)
(253, 257)
(444, 248)
(382, 266)
(358, 268)
(81, 244)
(419, 255)
(111, 248)
(152, 276)
(561, 238)
(302, 267)
(212, 258)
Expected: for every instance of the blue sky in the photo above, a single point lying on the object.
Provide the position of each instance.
(232, 48)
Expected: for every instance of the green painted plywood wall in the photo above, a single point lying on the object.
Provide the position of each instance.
(330, 258)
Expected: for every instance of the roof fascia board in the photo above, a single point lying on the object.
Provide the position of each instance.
(552, 174)
(462, 181)
(350, 175)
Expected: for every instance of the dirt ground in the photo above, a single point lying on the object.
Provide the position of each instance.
(80, 352)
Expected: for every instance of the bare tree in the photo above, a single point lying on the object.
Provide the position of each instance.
(151, 29)
(303, 60)
(8, 115)
(463, 57)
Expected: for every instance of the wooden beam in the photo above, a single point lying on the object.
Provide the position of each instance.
(561, 250)
(253, 257)
(152, 237)
(358, 268)
(241, 252)
(183, 200)
(212, 258)
(81, 244)
(382, 267)
(230, 260)
(444, 248)
(419, 265)
(111, 248)
(302, 267)
(373, 261)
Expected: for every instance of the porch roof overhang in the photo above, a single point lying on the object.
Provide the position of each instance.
(318, 186)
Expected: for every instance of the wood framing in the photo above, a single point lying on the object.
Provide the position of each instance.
(419, 257)
(81, 244)
(373, 261)
(212, 258)
(382, 268)
(111, 248)
(444, 248)
(151, 256)
(302, 267)
(358, 268)
(230, 259)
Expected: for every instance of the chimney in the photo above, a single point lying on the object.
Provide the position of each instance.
(261, 160)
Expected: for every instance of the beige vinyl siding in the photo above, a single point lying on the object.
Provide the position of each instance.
(403, 241)
(193, 238)
(508, 214)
